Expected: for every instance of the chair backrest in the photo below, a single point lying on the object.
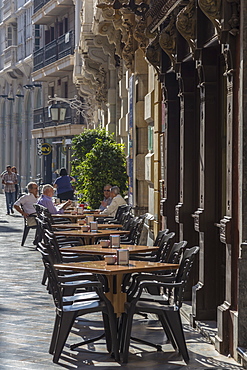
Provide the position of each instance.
(52, 278)
(120, 210)
(138, 229)
(127, 221)
(52, 247)
(160, 236)
(123, 216)
(40, 209)
(183, 273)
(164, 247)
(176, 252)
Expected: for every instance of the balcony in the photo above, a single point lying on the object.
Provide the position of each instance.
(46, 10)
(8, 10)
(54, 51)
(38, 4)
(10, 57)
(41, 119)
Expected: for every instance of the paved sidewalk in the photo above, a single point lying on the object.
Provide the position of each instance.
(27, 317)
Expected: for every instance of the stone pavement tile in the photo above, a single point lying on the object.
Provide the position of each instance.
(27, 317)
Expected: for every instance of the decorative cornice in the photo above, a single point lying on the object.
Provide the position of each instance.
(159, 12)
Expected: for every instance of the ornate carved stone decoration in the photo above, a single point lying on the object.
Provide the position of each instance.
(167, 40)
(234, 22)
(139, 34)
(114, 36)
(101, 92)
(159, 11)
(109, 49)
(186, 23)
(211, 8)
(153, 54)
(128, 50)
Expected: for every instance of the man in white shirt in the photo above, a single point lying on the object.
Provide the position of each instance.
(117, 200)
(24, 204)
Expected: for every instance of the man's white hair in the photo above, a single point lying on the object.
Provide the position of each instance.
(46, 187)
(115, 190)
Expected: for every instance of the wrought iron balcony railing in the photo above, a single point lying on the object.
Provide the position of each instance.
(54, 51)
(38, 4)
(42, 120)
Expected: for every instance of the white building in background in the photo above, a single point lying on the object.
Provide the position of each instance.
(16, 88)
(54, 61)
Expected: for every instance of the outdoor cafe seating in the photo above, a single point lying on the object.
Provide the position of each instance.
(167, 313)
(145, 286)
(68, 308)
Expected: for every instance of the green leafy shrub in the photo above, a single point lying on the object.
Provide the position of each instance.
(101, 161)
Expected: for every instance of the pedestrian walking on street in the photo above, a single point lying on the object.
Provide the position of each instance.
(18, 185)
(9, 180)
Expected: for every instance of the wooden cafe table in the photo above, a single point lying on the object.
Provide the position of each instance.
(99, 250)
(90, 236)
(77, 226)
(116, 273)
(74, 217)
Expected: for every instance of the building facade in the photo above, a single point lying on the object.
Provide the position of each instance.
(168, 78)
(176, 98)
(54, 62)
(16, 105)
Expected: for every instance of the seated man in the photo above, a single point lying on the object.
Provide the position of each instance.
(107, 198)
(117, 200)
(25, 203)
(46, 200)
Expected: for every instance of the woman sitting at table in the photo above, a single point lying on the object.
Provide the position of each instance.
(46, 200)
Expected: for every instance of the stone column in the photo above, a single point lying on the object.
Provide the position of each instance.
(242, 301)
(123, 120)
(7, 136)
(112, 100)
(141, 131)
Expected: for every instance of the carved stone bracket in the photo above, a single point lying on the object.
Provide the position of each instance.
(167, 40)
(186, 23)
(106, 28)
(234, 21)
(211, 8)
(153, 54)
(129, 47)
(140, 34)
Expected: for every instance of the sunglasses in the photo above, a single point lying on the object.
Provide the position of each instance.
(106, 190)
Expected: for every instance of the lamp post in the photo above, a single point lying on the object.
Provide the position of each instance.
(57, 112)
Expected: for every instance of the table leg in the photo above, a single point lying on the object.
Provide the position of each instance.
(115, 294)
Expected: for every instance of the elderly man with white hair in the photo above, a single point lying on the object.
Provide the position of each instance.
(46, 200)
(117, 200)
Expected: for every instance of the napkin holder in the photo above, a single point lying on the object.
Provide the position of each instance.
(93, 226)
(115, 241)
(122, 256)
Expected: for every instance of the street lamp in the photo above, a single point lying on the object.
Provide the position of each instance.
(57, 112)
